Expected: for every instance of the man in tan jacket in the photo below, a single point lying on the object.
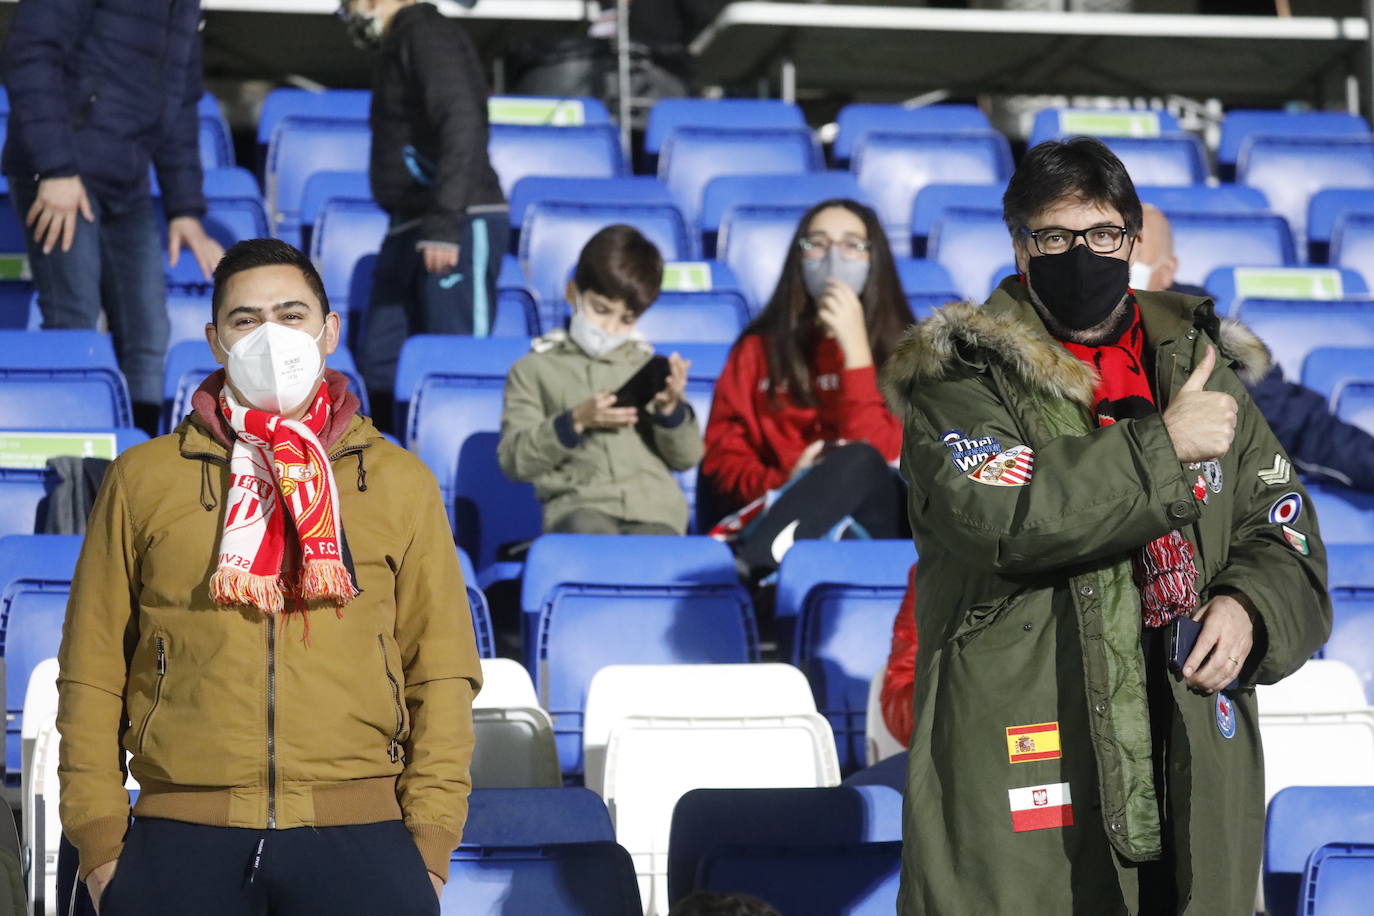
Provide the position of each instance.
(268, 616)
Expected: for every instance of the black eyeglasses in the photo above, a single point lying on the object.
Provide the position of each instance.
(1057, 240)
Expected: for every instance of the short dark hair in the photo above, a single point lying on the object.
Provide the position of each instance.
(705, 903)
(1059, 169)
(251, 253)
(620, 263)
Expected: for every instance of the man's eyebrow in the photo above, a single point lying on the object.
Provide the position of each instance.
(279, 307)
(244, 310)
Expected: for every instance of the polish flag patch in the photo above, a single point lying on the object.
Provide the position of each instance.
(1012, 468)
(1040, 807)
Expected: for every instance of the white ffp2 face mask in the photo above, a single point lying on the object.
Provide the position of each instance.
(1140, 275)
(275, 368)
(594, 341)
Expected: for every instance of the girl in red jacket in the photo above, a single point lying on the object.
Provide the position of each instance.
(798, 397)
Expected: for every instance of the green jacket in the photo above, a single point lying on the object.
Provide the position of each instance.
(1028, 615)
(622, 472)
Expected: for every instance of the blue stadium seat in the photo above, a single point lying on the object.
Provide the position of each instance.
(1301, 819)
(60, 378)
(1225, 198)
(338, 104)
(189, 362)
(24, 482)
(1355, 404)
(17, 303)
(1326, 369)
(695, 318)
(188, 310)
(517, 311)
(546, 110)
(630, 189)
(921, 275)
(754, 243)
(500, 818)
(1347, 516)
(594, 600)
(859, 879)
(1241, 124)
(971, 244)
(554, 234)
(345, 232)
(923, 305)
(893, 167)
(301, 147)
(321, 188)
(832, 598)
(1206, 241)
(588, 151)
(693, 156)
(1229, 285)
(576, 879)
(670, 115)
(1057, 123)
(1292, 328)
(708, 818)
(234, 209)
(1352, 630)
(1352, 244)
(858, 118)
(1338, 879)
(934, 199)
(1325, 210)
(230, 181)
(35, 577)
(477, 605)
(806, 190)
(216, 145)
(1350, 566)
(449, 401)
(1175, 160)
(1291, 170)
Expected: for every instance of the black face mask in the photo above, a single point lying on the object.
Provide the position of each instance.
(1079, 287)
(360, 28)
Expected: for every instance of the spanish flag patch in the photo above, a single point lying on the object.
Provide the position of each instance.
(1033, 742)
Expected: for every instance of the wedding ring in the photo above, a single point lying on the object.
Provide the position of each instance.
(1234, 660)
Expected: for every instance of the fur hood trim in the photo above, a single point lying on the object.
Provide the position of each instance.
(932, 347)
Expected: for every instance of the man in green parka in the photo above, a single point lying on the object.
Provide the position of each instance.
(1085, 470)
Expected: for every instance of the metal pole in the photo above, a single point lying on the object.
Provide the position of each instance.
(622, 60)
(789, 80)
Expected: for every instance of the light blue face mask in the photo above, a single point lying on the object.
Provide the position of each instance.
(852, 272)
(594, 341)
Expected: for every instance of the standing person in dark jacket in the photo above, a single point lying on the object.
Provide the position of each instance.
(99, 89)
(1324, 447)
(437, 270)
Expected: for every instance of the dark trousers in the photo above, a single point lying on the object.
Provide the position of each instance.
(1159, 879)
(407, 299)
(594, 521)
(850, 481)
(114, 263)
(170, 868)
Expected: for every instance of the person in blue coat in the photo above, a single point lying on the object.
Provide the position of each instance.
(1325, 448)
(99, 91)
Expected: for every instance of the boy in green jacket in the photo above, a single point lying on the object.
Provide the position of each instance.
(599, 468)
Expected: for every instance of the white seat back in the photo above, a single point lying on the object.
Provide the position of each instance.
(652, 761)
(879, 743)
(505, 685)
(1320, 685)
(736, 691)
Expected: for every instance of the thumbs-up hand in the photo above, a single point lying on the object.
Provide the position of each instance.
(1201, 423)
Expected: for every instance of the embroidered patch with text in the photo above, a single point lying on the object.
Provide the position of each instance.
(1012, 468)
(968, 452)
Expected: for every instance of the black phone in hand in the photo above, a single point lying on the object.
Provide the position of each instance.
(1183, 634)
(641, 387)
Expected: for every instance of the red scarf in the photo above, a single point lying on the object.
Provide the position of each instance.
(1163, 570)
(279, 470)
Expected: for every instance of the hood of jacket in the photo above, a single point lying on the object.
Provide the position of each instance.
(1009, 330)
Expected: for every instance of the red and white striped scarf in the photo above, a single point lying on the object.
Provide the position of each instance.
(278, 470)
(1163, 570)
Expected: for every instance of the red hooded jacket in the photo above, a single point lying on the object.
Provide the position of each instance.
(898, 680)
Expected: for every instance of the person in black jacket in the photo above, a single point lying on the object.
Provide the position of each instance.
(99, 89)
(437, 270)
(1325, 448)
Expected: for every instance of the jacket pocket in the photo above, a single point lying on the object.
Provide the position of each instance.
(160, 659)
(394, 685)
(981, 617)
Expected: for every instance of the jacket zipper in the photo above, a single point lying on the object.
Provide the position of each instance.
(394, 747)
(333, 456)
(157, 692)
(271, 724)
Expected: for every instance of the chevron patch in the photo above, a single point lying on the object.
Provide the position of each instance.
(1279, 474)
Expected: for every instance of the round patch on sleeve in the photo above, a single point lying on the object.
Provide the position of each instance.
(1226, 716)
(1287, 509)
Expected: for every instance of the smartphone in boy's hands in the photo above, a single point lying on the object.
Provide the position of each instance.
(641, 387)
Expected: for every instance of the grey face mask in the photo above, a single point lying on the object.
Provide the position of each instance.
(815, 271)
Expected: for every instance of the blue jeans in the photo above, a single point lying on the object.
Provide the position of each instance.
(406, 299)
(115, 263)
